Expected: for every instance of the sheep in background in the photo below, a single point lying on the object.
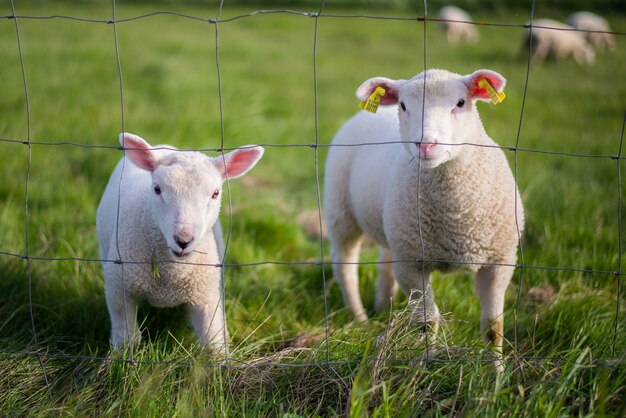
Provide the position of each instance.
(588, 21)
(552, 39)
(159, 217)
(428, 185)
(455, 30)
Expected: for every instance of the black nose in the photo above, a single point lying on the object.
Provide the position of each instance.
(183, 243)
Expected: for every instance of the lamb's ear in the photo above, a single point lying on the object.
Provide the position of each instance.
(476, 92)
(391, 89)
(239, 161)
(138, 151)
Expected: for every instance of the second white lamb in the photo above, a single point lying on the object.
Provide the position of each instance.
(422, 178)
(160, 239)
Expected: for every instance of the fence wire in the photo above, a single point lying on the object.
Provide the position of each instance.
(41, 353)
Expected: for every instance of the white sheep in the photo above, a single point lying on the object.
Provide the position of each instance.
(431, 188)
(159, 234)
(599, 36)
(552, 39)
(453, 25)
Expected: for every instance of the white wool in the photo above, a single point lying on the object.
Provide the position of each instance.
(431, 188)
(552, 39)
(454, 27)
(599, 36)
(167, 235)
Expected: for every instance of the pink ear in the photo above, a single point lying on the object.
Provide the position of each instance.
(139, 151)
(238, 162)
(480, 93)
(391, 89)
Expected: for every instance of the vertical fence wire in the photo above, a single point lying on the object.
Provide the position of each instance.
(618, 272)
(26, 256)
(317, 176)
(218, 69)
(425, 282)
(515, 176)
(119, 261)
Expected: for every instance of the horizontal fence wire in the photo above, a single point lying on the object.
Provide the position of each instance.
(616, 273)
(40, 353)
(312, 15)
(318, 145)
(259, 363)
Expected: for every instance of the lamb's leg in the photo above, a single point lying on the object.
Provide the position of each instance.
(491, 284)
(209, 322)
(415, 282)
(541, 52)
(451, 34)
(346, 256)
(123, 313)
(386, 285)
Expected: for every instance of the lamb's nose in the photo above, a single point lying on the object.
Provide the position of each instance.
(183, 242)
(426, 146)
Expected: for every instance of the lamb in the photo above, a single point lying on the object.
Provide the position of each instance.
(600, 37)
(431, 188)
(452, 19)
(160, 239)
(552, 39)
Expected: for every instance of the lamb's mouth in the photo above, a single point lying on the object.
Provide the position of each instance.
(180, 254)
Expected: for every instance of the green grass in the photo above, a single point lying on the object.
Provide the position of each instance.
(569, 359)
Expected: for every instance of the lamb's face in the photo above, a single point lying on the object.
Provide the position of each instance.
(185, 195)
(185, 200)
(436, 110)
(434, 121)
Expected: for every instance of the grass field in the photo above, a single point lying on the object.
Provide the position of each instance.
(565, 351)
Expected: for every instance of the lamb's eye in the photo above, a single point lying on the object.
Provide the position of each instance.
(460, 103)
(402, 106)
(157, 190)
(215, 194)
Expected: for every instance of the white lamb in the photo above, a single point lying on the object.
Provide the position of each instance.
(160, 239)
(600, 37)
(431, 188)
(453, 25)
(552, 39)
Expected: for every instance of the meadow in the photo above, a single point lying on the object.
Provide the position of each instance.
(287, 81)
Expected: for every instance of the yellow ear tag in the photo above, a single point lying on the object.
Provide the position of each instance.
(493, 94)
(372, 102)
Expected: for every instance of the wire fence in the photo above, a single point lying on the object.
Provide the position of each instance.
(216, 22)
